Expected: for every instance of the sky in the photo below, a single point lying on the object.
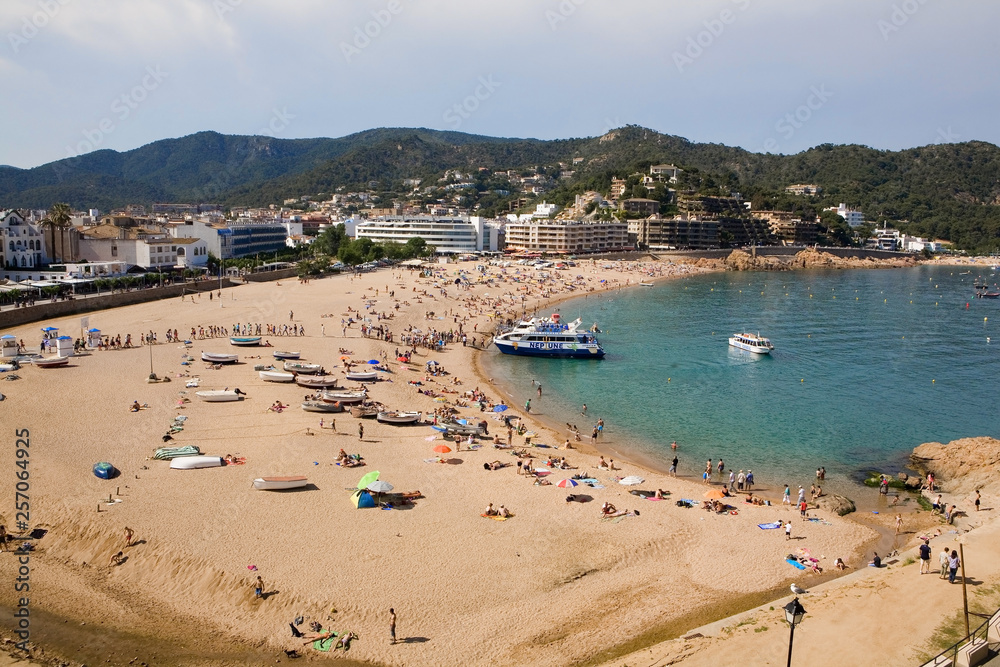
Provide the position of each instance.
(775, 76)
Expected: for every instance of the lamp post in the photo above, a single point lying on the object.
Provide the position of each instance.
(793, 614)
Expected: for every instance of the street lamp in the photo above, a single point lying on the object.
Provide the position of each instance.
(793, 614)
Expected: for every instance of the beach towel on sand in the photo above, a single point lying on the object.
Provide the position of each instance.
(495, 518)
(795, 563)
(768, 526)
(325, 644)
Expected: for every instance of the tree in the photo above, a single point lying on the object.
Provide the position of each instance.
(61, 217)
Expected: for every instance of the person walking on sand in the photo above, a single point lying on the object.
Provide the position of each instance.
(361, 431)
(527, 405)
(392, 625)
(899, 523)
(129, 533)
(673, 467)
(786, 498)
(977, 500)
(291, 315)
(953, 564)
(258, 587)
(788, 530)
(943, 559)
(925, 557)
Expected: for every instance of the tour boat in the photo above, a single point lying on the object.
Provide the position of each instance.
(195, 462)
(276, 376)
(316, 381)
(394, 417)
(51, 362)
(304, 369)
(751, 343)
(217, 396)
(217, 358)
(279, 483)
(549, 337)
(362, 376)
(278, 354)
(246, 341)
(320, 406)
(343, 396)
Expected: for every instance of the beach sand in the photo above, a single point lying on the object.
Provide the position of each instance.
(554, 585)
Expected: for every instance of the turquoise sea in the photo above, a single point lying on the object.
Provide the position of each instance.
(867, 365)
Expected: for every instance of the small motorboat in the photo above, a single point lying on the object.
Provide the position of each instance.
(279, 483)
(362, 376)
(278, 354)
(105, 470)
(320, 406)
(216, 358)
(645, 284)
(343, 396)
(981, 295)
(218, 395)
(364, 411)
(276, 376)
(302, 369)
(195, 462)
(245, 341)
(317, 381)
(51, 362)
(395, 417)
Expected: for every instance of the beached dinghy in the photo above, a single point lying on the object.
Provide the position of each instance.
(316, 381)
(362, 376)
(276, 376)
(278, 354)
(394, 417)
(216, 358)
(304, 369)
(279, 483)
(348, 397)
(319, 406)
(51, 362)
(195, 462)
(217, 395)
(245, 341)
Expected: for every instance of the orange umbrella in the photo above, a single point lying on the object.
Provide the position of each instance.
(442, 449)
(715, 494)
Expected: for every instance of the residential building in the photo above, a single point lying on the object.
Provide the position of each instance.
(667, 171)
(545, 210)
(684, 233)
(742, 231)
(23, 242)
(804, 189)
(644, 207)
(617, 187)
(143, 247)
(854, 217)
(788, 227)
(569, 236)
(230, 240)
(461, 234)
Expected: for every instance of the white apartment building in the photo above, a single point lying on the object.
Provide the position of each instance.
(447, 235)
(545, 209)
(565, 236)
(23, 242)
(854, 217)
(158, 251)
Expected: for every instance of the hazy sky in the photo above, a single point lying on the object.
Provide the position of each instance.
(768, 75)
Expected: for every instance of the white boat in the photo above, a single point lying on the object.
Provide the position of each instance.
(51, 362)
(549, 337)
(278, 354)
(394, 417)
(645, 284)
(304, 369)
(195, 462)
(279, 483)
(362, 376)
(245, 341)
(217, 395)
(316, 381)
(217, 358)
(276, 376)
(751, 343)
(320, 406)
(344, 397)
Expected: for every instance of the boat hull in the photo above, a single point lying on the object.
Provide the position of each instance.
(558, 350)
(317, 381)
(54, 362)
(286, 355)
(245, 342)
(362, 377)
(319, 406)
(279, 483)
(276, 376)
(347, 397)
(217, 396)
(399, 417)
(196, 462)
(220, 358)
(301, 369)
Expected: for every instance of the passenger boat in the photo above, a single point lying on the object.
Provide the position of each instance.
(549, 337)
(304, 369)
(279, 483)
(276, 376)
(344, 397)
(246, 341)
(316, 381)
(217, 395)
(394, 417)
(195, 462)
(51, 362)
(278, 354)
(362, 376)
(215, 358)
(320, 406)
(751, 343)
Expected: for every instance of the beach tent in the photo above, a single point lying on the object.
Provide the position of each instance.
(362, 499)
(367, 479)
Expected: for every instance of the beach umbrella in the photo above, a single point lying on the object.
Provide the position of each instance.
(374, 362)
(345, 357)
(442, 449)
(368, 479)
(631, 480)
(500, 408)
(567, 484)
(380, 487)
(50, 329)
(715, 494)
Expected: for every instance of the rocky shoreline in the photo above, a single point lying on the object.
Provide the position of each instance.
(810, 258)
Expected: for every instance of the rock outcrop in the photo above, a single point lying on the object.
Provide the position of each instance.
(960, 466)
(835, 503)
(810, 258)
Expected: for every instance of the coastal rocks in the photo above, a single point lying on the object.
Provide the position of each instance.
(810, 258)
(742, 261)
(965, 465)
(835, 503)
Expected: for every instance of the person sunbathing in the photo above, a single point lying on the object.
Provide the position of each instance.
(342, 456)
(659, 494)
(541, 481)
(490, 511)
(135, 407)
(504, 512)
(607, 509)
(840, 564)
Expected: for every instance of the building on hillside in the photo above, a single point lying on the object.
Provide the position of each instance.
(803, 189)
(447, 235)
(185, 209)
(617, 187)
(231, 240)
(23, 242)
(854, 217)
(643, 207)
(299, 240)
(675, 233)
(788, 227)
(667, 171)
(742, 231)
(567, 236)
(545, 210)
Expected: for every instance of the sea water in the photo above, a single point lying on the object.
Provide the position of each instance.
(867, 365)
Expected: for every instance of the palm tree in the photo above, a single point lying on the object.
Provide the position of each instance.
(61, 216)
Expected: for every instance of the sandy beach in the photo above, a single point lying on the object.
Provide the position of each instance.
(556, 584)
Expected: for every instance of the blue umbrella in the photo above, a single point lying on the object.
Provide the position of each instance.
(93, 330)
(374, 362)
(500, 408)
(50, 329)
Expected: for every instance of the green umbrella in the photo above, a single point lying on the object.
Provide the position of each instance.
(367, 479)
